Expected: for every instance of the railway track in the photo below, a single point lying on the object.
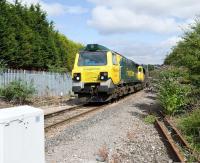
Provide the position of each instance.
(178, 146)
(55, 119)
(182, 152)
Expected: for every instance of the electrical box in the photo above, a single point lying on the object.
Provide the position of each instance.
(22, 135)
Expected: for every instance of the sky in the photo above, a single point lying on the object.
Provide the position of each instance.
(142, 30)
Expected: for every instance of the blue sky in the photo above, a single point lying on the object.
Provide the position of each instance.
(142, 30)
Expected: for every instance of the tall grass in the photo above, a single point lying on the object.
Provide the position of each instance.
(189, 124)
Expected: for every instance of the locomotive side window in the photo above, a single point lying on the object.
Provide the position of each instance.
(114, 59)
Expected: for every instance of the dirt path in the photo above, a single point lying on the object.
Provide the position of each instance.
(118, 134)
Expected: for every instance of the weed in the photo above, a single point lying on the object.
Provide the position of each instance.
(150, 119)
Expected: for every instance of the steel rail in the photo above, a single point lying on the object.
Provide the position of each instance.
(176, 134)
(52, 114)
(170, 141)
(75, 117)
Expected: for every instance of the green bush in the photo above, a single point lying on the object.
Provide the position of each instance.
(173, 87)
(172, 95)
(176, 73)
(189, 124)
(17, 91)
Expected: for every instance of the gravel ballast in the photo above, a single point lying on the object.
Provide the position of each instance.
(116, 134)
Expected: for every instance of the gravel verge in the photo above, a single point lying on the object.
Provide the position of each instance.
(116, 134)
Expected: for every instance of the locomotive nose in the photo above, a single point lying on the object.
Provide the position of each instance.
(92, 75)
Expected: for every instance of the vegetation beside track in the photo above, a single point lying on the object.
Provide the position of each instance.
(190, 126)
(179, 100)
(177, 84)
(17, 92)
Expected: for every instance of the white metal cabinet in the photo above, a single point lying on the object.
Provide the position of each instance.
(21, 135)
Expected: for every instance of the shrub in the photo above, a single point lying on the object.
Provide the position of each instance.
(178, 74)
(172, 95)
(17, 91)
(173, 87)
(2, 66)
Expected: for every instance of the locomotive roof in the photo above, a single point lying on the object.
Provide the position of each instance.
(97, 47)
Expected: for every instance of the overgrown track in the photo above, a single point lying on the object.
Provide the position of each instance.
(179, 146)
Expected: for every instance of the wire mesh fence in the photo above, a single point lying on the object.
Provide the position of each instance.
(46, 83)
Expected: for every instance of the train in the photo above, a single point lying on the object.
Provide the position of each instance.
(100, 74)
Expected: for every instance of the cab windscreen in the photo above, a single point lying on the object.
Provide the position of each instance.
(92, 59)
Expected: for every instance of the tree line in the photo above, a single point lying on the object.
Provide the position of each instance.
(187, 52)
(29, 41)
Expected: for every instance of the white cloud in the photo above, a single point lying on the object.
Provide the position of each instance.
(153, 53)
(122, 16)
(55, 9)
(140, 52)
(27, 2)
(170, 41)
(177, 8)
(115, 20)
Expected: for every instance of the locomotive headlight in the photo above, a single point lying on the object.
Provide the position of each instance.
(77, 76)
(103, 76)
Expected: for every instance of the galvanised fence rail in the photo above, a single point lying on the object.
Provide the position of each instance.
(46, 83)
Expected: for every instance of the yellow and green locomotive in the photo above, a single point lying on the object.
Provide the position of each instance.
(100, 74)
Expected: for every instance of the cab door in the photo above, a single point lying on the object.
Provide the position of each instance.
(115, 69)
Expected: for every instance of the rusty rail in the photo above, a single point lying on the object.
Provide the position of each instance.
(175, 139)
(170, 140)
